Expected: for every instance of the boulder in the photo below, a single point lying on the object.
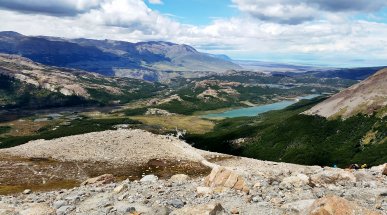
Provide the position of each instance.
(149, 178)
(177, 203)
(179, 178)
(222, 177)
(120, 188)
(332, 176)
(27, 191)
(100, 180)
(207, 209)
(334, 205)
(295, 181)
(202, 191)
(38, 209)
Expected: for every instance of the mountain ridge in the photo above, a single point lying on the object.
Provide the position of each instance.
(108, 56)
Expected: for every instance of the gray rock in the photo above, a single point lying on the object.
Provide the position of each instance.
(59, 203)
(162, 211)
(64, 210)
(149, 178)
(177, 203)
(27, 191)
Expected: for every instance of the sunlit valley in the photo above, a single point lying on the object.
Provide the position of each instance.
(111, 114)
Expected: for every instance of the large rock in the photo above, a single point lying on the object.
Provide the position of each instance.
(333, 205)
(202, 191)
(179, 178)
(38, 209)
(207, 209)
(149, 178)
(222, 177)
(295, 181)
(100, 180)
(332, 176)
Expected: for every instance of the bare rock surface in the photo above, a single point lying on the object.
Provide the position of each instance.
(332, 205)
(118, 146)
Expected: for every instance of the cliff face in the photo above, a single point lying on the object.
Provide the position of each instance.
(366, 97)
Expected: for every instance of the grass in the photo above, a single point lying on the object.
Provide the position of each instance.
(192, 124)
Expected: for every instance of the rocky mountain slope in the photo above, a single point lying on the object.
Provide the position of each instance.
(109, 57)
(25, 80)
(365, 97)
(235, 185)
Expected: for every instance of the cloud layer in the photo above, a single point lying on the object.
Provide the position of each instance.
(320, 31)
(51, 7)
(299, 11)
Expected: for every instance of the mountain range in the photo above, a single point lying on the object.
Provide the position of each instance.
(109, 57)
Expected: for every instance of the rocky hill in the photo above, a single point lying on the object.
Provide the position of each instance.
(109, 57)
(233, 185)
(24, 80)
(366, 97)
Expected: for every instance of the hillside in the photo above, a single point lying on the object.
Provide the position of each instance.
(27, 84)
(365, 97)
(110, 57)
(288, 136)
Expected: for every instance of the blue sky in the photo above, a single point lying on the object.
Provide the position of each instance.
(196, 12)
(340, 33)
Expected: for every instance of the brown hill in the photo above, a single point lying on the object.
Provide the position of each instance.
(366, 97)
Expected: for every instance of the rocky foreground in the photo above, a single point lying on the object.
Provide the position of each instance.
(235, 185)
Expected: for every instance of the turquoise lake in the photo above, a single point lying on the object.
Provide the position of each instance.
(254, 111)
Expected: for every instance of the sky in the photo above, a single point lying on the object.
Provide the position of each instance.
(340, 33)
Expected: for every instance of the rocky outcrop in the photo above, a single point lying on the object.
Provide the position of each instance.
(332, 176)
(333, 205)
(222, 177)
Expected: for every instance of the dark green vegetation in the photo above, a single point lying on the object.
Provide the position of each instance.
(288, 136)
(14, 94)
(4, 129)
(79, 126)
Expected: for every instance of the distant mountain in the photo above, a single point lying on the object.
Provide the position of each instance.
(26, 84)
(350, 73)
(272, 66)
(109, 57)
(366, 97)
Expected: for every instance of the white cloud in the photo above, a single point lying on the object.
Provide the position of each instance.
(299, 11)
(155, 1)
(328, 38)
(51, 7)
